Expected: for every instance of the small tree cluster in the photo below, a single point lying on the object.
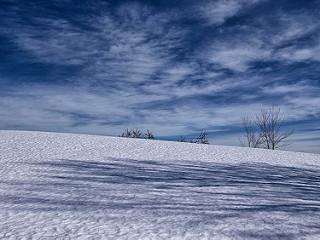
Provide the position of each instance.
(252, 138)
(201, 139)
(137, 133)
(265, 130)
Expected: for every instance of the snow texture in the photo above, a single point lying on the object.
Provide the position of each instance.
(68, 186)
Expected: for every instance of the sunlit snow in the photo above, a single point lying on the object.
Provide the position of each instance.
(67, 186)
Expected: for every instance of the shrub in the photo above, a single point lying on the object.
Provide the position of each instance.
(137, 133)
(201, 139)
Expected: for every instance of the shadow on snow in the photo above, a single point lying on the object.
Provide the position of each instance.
(206, 191)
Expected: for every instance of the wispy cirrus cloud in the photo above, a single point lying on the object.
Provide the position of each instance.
(237, 55)
(130, 50)
(107, 66)
(280, 89)
(216, 12)
(262, 41)
(299, 54)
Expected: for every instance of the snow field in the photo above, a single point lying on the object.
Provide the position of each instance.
(68, 186)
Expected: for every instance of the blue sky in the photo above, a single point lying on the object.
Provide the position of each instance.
(174, 67)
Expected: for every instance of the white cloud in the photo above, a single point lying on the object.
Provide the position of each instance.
(131, 73)
(299, 54)
(130, 48)
(237, 54)
(300, 88)
(290, 27)
(262, 41)
(217, 11)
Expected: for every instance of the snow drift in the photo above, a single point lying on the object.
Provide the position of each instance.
(68, 186)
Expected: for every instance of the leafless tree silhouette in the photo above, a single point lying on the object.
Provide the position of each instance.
(149, 135)
(137, 133)
(251, 137)
(270, 122)
(202, 138)
(127, 133)
(265, 130)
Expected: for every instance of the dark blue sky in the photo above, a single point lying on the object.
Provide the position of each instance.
(174, 67)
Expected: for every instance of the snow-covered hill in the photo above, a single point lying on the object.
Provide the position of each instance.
(68, 186)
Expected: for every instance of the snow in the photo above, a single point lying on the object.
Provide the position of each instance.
(69, 186)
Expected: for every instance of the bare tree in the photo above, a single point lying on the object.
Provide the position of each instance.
(127, 133)
(252, 138)
(137, 133)
(149, 135)
(202, 138)
(269, 123)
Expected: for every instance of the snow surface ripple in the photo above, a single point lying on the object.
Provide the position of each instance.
(68, 186)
